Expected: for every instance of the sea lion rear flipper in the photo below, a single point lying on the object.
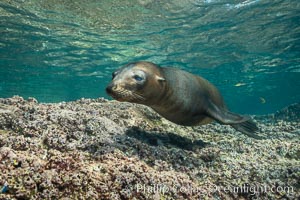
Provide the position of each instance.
(224, 116)
(243, 124)
(248, 128)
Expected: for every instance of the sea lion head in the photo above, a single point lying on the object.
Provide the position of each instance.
(138, 82)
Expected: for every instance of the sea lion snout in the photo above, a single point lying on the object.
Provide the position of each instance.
(113, 89)
(115, 92)
(109, 89)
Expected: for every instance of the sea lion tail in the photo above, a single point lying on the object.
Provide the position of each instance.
(248, 128)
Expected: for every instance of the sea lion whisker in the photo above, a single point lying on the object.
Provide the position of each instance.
(127, 94)
(138, 96)
(122, 92)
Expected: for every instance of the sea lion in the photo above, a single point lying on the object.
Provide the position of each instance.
(177, 95)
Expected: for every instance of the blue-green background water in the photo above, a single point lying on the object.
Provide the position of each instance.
(64, 50)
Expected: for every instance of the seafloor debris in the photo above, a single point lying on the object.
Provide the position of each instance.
(99, 149)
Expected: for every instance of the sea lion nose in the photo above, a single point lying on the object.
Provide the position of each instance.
(109, 88)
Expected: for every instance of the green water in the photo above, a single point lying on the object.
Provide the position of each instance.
(65, 50)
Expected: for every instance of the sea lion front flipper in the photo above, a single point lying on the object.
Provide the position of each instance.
(243, 124)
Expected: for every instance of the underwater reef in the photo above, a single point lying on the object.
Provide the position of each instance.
(100, 149)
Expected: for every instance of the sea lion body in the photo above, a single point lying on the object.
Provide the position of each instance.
(177, 95)
(184, 98)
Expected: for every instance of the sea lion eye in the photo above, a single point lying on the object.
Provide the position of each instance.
(114, 74)
(138, 78)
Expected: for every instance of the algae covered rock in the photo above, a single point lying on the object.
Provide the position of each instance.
(100, 149)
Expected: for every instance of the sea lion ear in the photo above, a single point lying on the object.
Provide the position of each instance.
(159, 78)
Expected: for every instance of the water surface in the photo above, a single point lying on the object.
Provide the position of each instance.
(64, 50)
